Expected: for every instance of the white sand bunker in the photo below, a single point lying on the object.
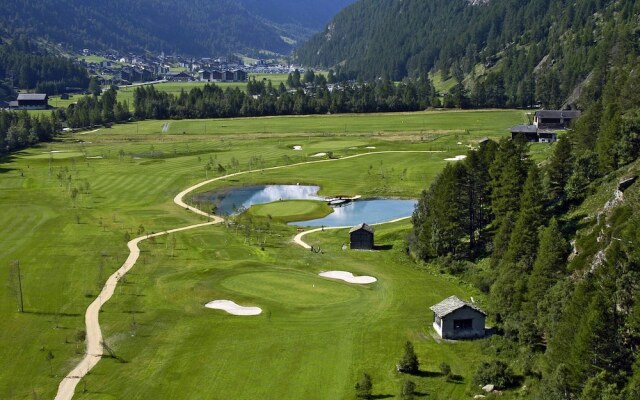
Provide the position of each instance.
(370, 147)
(348, 277)
(233, 308)
(297, 148)
(319, 155)
(456, 158)
(95, 158)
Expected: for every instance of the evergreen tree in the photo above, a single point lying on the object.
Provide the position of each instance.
(409, 362)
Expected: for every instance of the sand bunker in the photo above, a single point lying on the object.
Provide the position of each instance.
(319, 155)
(348, 277)
(370, 147)
(456, 158)
(233, 308)
(297, 147)
(94, 158)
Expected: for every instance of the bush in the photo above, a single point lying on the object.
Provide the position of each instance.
(445, 369)
(494, 372)
(363, 387)
(408, 390)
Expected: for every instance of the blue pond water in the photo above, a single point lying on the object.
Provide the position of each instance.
(230, 200)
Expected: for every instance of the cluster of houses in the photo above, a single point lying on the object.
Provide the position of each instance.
(544, 126)
(119, 69)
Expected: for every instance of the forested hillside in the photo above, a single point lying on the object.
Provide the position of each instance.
(298, 19)
(192, 28)
(518, 53)
(25, 65)
(199, 27)
(555, 244)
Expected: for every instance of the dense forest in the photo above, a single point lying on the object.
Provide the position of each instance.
(555, 252)
(533, 52)
(21, 130)
(25, 65)
(191, 28)
(263, 99)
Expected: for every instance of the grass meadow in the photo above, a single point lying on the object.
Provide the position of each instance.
(70, 206)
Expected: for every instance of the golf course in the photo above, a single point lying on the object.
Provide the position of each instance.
(75, 207)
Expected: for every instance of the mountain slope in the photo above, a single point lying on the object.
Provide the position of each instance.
(555, 40)
(297, 19)
(197, 27)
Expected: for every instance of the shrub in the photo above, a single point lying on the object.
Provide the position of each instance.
(494, 372)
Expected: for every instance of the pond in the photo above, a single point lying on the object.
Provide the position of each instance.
(232, 199)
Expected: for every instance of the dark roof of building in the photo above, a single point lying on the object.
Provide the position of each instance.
(524, 129)
(32, 96)
(557, 114)
(451, 304)
(361, 226)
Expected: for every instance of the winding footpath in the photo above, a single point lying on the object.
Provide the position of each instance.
(94, 339)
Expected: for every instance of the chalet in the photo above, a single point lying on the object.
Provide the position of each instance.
(204, 75)
(32, 101)
(457, 319)
(533, 134)
(179, 77)
(227, 76)
(361, 237)
(239, 75)
(554, 119)
(216, 75)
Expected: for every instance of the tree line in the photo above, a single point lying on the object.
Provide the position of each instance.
(263, 99)
(19, 130)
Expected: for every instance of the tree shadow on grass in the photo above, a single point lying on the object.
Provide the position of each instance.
(427, 374)
(381, 396)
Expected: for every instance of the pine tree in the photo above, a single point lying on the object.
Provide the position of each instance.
(559, 169)
(409, 362)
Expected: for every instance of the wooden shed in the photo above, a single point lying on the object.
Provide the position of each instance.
(361, 237)
(457, 319)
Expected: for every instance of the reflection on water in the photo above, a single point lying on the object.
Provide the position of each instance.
(369, 211)
(232, 199)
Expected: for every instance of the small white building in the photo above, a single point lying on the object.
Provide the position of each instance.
(457, 319)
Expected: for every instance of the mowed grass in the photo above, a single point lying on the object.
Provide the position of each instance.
(312, 341)
(314, 348)
(291, 210)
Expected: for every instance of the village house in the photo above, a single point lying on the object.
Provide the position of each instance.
(554, 119)
(361, 237)
(30, 101)
(457, 319)
(545, 123)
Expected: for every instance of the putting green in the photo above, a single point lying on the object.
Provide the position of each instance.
(291, 288)
(292, 210)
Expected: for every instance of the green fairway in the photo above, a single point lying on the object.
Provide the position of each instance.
(70, 206)
(291, 210)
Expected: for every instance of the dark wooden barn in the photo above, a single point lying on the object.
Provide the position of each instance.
(33, 101)
(361, 237)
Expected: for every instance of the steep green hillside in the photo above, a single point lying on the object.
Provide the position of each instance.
(515, 53)
(200, 27)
